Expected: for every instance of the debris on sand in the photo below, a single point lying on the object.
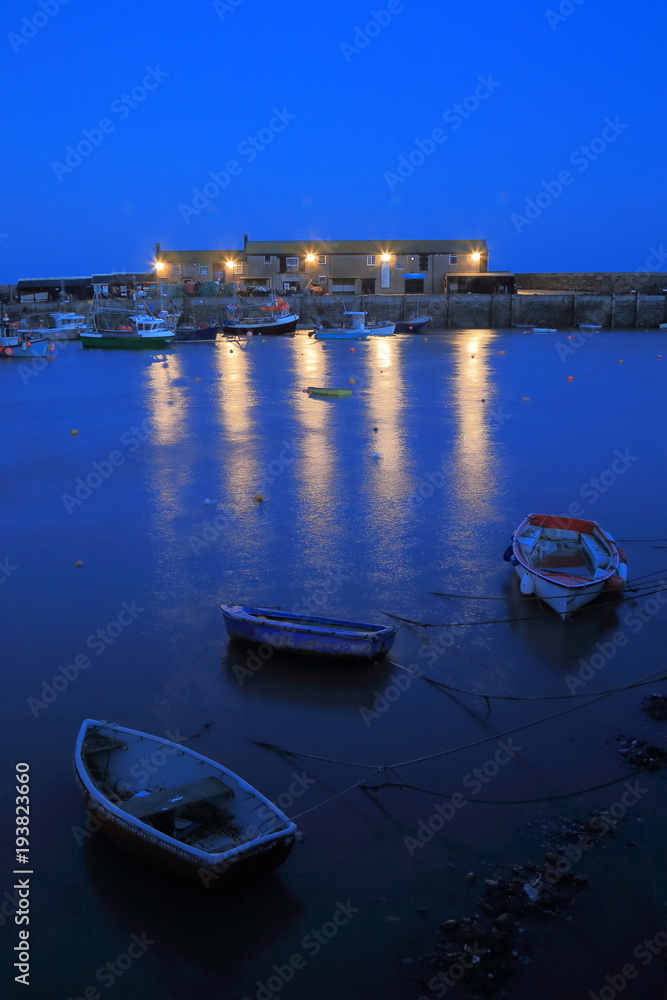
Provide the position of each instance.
(656, 706)
(639, 754)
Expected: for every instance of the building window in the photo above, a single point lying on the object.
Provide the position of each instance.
(203, 269)
(238, 267)
(322, 279)
(322, 258)
(370, 260)
(423, 262)
(291, 261)
(267, 258)
(453, 258)
(176, 270)
(400, 262)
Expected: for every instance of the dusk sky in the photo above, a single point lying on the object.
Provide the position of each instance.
(554, 154)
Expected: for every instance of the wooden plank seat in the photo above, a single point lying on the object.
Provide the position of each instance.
(141, 806)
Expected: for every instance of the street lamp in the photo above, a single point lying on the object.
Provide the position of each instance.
(476, 257)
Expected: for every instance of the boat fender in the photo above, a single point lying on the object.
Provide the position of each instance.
(622, 554)
(616, 582)
(623, 571)
(509, 552)
(527, 585)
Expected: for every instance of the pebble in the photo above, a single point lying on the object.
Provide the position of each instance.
(450, 925)
(470, 878)
(505, 922)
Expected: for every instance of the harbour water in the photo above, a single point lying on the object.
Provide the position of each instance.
(205, 475)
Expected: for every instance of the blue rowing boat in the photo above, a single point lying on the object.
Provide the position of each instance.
(296, 633)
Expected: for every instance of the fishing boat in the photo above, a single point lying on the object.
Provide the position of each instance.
(314, 390)
(353, 328)
(566, 562)
(182, 812)
(297, 633)
(544, 329)
(187, 333)
(385, 328)
(272, 317)
(590, 326)
(62, 326)
(113, 326)
(18, 344)
(414, 325)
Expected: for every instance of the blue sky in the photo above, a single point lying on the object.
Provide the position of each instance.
(337, 96)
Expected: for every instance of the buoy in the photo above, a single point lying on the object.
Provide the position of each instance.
(570, 378)
(258, 498)
(620, 361)
(501, 352)
(8, 352)
(79, 563)
(616, 582)
(352, 381)
(231, 351)
(622, 554)
(425, 338)
(197, 379)
(659, 355)
(527, 584)
(51, 348)
(74, 432)
(353, 348)
(248, 333)
(526, 399)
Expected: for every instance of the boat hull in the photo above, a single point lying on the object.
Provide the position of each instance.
(205, 335)
(28, 349)
(559, 588)
(309, 635)
(126, 343)
(387, 330)
(132, 805)
(415, 325)
(249, 868)
(266, 329)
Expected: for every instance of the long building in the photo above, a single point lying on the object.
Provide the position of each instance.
(350, 267)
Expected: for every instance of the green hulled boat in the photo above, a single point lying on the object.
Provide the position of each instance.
(124, 329)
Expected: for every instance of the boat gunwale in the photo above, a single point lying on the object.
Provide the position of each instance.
(148, 832)
(574, 583)
(292, 621)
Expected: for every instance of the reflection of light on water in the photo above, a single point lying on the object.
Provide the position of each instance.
(314, 471)
(472, 384)
(166, 401)
(386, 481)
(237, 456)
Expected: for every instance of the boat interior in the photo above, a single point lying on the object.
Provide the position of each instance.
(556, 550)
(174, 792)
(325, 623)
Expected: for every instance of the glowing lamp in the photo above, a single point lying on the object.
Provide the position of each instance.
(310, 257)
(477, 256)
(229, 263)
(385, 257)
(159, 265)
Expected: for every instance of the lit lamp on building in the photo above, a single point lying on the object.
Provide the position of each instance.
(385, 258)
(159, 266)
(310, 258)
(229, 264)
(476, 257)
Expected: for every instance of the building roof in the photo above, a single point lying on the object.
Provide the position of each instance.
(199, 256)
(285, 247)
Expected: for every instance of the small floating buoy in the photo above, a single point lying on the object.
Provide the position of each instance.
(51, 348)
(197, 379)
(231, 351)
(526, 399)
(353, 349)
(659, 355)
(74, 432)
(620, 361)
(570, 378)
(352, 381)
(78, 563)
(425, 338)
(248, 333)
(258, 498)
(501, 352)
(375, 430)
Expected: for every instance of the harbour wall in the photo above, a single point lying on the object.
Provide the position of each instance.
(452, 311)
